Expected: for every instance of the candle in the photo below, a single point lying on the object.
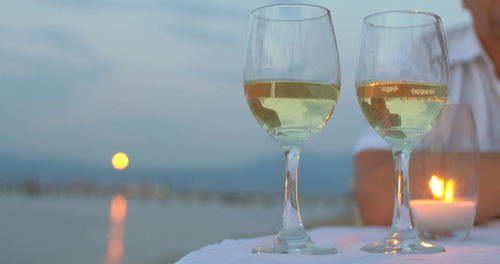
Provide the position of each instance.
(443, 213)
(436, 215)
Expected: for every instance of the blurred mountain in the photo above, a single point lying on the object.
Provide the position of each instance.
(318, 174)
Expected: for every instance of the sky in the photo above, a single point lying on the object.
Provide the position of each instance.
(158, 80)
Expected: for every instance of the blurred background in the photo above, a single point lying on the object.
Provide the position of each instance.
(160, 81)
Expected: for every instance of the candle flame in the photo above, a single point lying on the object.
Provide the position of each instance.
(440, 189)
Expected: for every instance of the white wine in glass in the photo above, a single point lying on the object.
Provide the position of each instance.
(291, 110)
(401, 111)
(402, 87)
(292, 84)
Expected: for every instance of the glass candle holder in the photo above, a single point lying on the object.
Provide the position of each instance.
(445, 177)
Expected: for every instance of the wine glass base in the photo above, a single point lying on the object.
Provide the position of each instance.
(308, 249)
(407, 246)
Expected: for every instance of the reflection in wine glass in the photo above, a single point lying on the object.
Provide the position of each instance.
(292, 83)
(402, 87)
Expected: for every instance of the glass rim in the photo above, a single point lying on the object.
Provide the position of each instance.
(326, 12)
(437, 19)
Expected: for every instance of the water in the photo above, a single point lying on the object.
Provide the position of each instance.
(71, 229)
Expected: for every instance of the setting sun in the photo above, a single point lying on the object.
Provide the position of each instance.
(119, 161)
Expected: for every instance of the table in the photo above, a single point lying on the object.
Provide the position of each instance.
(483, 246)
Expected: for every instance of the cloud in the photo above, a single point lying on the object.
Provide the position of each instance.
(46, 63)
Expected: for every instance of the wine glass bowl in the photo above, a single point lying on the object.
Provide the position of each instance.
(402, 87)
(291, 83)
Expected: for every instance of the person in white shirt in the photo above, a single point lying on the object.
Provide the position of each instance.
(474, 55)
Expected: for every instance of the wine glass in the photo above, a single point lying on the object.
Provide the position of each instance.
(292, 83)
(402, 87)
(445, 176)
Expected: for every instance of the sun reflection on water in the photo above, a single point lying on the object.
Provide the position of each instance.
(117, 216)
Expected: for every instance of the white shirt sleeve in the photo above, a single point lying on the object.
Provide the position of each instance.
(370, 140)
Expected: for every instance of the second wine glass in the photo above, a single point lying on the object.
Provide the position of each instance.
(402, 87)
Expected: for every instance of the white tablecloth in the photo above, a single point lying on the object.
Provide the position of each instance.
(483, 246)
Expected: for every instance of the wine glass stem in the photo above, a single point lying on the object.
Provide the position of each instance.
(292, 230)
(401, 219)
